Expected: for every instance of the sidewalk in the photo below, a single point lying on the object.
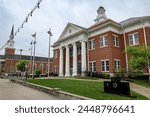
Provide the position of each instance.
(13, 91)
(140, 89)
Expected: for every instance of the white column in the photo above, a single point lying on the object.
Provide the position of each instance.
(61, 63)
(74, 59)
(67, 74)
(83, 57)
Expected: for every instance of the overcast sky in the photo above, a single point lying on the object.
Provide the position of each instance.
(56, 14)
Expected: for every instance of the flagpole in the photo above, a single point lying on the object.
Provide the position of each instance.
(49, 46)
(34, 42)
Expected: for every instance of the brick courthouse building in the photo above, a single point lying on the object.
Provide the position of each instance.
(99, 48)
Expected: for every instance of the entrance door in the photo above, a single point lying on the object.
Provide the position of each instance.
(79, 68)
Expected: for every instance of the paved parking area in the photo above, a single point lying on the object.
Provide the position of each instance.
(14, 91)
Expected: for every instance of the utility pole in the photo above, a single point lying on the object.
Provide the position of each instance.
(49, 46)
(34, 42)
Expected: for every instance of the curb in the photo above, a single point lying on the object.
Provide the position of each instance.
(52, 91)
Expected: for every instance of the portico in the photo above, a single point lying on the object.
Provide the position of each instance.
(72, 61)
(72, 47)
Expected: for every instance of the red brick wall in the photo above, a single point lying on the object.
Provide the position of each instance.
(110, 52)
(141, 36)
(56, 61)
(9, 51)
(118, 52)
(10, 66)
(147, 30)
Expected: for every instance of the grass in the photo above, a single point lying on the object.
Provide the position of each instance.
(144, 83)
(85, 88)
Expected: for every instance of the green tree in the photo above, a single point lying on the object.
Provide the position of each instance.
(139, 57)
(21, 65)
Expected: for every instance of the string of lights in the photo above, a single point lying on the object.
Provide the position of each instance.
(30, 14)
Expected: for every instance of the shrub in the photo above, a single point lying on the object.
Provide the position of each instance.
(121, 73)
(106, 76)
(38, 72)
(134, 73)
(93, 74)
(52, 74)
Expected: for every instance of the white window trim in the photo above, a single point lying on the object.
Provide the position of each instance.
(103, 41)
(115, 40)
(92, 65)
(134, 39)
(119, 61)
(92, 47)
(105, 64)
(55, 68)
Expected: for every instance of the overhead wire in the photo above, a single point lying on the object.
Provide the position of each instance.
(30, 14)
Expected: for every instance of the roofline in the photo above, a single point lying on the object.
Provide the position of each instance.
(80, 27)
(105, 23)
(136, 21)
(65, 38)
(55, 44)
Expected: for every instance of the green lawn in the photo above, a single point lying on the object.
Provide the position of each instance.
(144, 83)
(84, 88)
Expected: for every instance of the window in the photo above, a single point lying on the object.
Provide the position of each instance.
(115, 41)
(55, 69)
(41, 68)
(92, 44)
(55, 54)
(34, 67)
(92, 66)
(134, 39)
(103, 41)
(117, 64)
(104, 65)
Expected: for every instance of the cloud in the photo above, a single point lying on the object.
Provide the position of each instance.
(55, 14)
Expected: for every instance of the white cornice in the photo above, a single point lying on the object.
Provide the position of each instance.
(103, 30)
(136, 26)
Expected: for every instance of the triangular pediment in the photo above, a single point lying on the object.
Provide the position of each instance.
(69, 30)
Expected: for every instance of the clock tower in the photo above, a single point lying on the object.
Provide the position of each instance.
(10, 50)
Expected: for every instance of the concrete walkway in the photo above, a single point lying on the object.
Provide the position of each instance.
(14, 91)
(140, 89)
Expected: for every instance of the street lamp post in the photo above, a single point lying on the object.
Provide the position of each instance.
(49, 46)
(31, 56)
(21, 53)
(34, 42)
